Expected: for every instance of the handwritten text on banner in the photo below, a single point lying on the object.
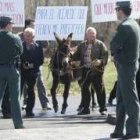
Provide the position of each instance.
(104, 10)
(62, 20)
(13, 9)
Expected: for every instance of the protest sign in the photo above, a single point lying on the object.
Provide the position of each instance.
(62, 20)
(13, 9)
(104, 10)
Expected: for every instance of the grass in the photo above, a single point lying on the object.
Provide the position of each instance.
(109, 79)
(110, 76)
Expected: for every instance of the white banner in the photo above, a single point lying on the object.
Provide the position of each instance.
(13, 9)
(104, 10)
(135, 9)
(62, 20)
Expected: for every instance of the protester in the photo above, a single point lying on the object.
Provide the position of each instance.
(29, 23)
(11, 48)
(93, 56)
(40, 86)
(125, 49)
(31, 60)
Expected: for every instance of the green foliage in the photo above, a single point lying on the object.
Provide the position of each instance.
(109, 79)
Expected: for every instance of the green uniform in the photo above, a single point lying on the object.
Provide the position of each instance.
(125, 49)
(10, 49)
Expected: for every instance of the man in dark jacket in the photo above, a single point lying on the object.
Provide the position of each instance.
(31, 59)
(125, 49)
(29, 23)
(11, 48)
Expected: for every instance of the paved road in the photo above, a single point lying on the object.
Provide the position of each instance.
(47, 125)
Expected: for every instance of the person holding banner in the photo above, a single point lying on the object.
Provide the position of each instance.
(125, 49)
(11, 48)
(93, 56)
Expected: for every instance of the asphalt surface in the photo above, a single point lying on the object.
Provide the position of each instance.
(47, 125)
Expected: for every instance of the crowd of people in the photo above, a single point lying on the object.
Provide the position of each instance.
(29, 74)
(27, 65)
(23, 56)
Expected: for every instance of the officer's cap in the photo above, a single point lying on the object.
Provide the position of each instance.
(5, 20)
(123, 4)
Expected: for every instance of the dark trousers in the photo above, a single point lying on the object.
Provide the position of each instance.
(10, 76)
(112, 95)
(127, 100)
(138, 82)
(30, 79)
(96, 80)
(113, 91)
(6, 105)
(93, 101)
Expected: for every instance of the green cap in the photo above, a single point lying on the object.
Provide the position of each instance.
(4, 19)
(123, 4)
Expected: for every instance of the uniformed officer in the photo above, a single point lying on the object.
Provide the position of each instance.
(125, 49)
(11, 48)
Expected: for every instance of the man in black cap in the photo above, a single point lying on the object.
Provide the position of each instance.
(11, 48)
(125, 49)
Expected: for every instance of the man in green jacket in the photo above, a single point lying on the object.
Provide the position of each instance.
(125, 49)
(11, 48)
(93, 57)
